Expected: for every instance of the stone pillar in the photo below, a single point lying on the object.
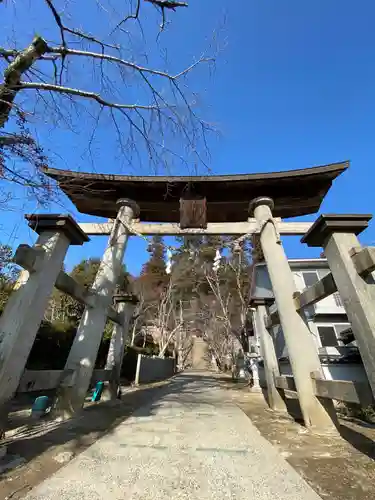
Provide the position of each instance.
(25, 308)
(271, 366)
(125, 305)
(304, 358)
(86, 343)
(337, 234)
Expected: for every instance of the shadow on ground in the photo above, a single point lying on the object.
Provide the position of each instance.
(38, 449)
(351, 431)
(337, 469)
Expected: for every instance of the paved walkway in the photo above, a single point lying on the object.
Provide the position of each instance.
(191, 443)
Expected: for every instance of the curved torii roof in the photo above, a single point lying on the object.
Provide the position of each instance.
(295, 192)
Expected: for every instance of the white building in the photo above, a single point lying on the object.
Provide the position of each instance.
(326, 319)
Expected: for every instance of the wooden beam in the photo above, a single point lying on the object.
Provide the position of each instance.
(96, 228)
(320, 290)
(285, 382)
(363, 260)
(68, 285)
(343, 390)
(223, 228)
(30, 257)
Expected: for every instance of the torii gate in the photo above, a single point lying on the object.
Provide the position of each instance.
(181, 206)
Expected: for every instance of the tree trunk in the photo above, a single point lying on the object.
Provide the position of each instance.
(13, 73)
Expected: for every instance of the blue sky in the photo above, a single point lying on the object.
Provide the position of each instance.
(293, 87)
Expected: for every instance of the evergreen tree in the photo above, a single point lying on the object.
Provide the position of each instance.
(8, 274)
(155, 266)
(65, 309)
(154, 278)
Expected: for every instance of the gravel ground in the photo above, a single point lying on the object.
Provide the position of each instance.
(192, 442)
(338, 468)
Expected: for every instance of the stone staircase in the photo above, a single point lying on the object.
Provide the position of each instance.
(200, 356)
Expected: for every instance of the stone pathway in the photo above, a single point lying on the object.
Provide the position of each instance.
(191, 443)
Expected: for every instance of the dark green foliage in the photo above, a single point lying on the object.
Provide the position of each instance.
(67, 310)
(55, 337)
(84, 273)
(153, 275)
(153, 278)
(8, 274)
(51, 347)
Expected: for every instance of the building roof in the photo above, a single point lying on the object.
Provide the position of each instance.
(295, 192)
(308, 263)
(261, 287)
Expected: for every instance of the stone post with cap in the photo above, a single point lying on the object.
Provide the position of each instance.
(304, 359)
(271, 366)
(25, 308)
(125, 304)
(84, 350)
(337, 234)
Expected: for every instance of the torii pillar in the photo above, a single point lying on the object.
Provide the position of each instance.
(337, 234)
(84, 351)
(304, 359)
(125, 305)
(271, 366)
(25, 308)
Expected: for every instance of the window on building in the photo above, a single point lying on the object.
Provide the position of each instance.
(327, 336)
(341, 328)
(310, 278)
(330, 334)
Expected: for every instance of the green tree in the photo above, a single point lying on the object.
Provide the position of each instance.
(8, 274)
(65, 309)
(154, 277)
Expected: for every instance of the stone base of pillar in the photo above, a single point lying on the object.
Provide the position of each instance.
(64, 408)
(110, 392)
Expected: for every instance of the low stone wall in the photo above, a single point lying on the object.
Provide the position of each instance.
(39, 380)
(150, 369)
(335, 371)
(46, 380)
(332, 371)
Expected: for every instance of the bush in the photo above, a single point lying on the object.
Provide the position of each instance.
(51, 347)
(356, 411)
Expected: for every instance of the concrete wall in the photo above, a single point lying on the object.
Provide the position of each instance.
(39, 380)
(45, 380)
(332, 371)
(335, 371)
(153, 369)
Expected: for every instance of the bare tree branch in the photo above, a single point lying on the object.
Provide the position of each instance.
(130, 16)
(167, 4)
(11, 140)
(82, 93)
(75, 32)
(142, 69)
(74, 85)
